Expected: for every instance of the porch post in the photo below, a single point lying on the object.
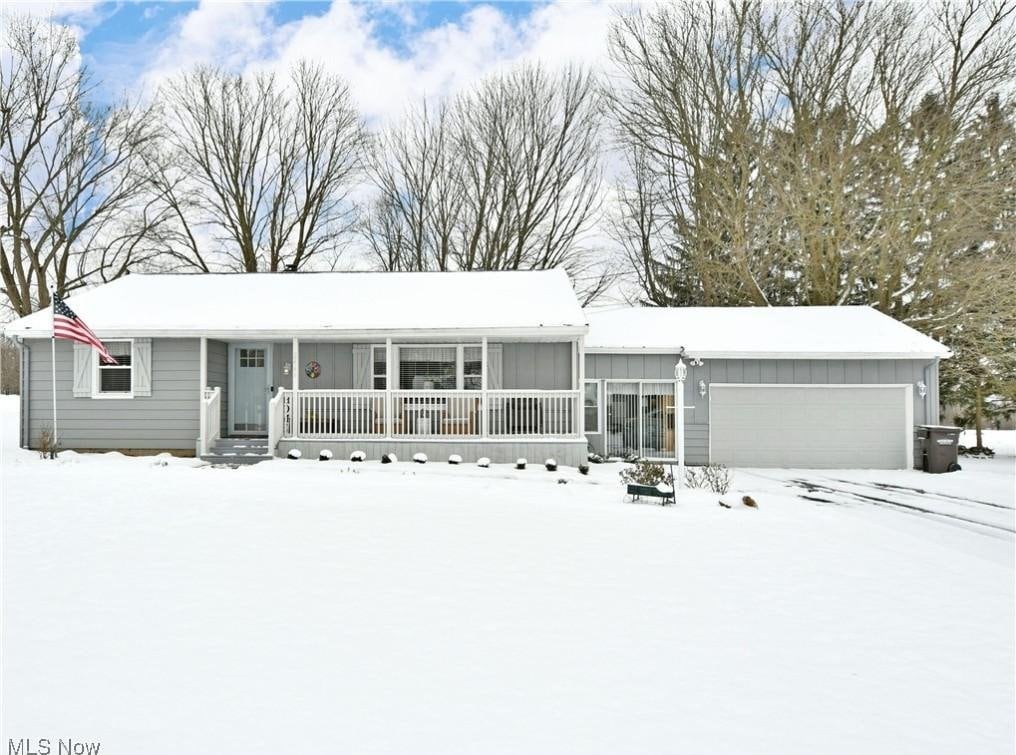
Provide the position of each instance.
(202, 383)
(580, 348)
(681, 374)
(296, 387)
(484, 419)
(389, 377)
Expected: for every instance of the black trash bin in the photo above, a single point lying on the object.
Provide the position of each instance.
(940, 448)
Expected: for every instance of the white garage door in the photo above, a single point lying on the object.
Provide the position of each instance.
(813, 426)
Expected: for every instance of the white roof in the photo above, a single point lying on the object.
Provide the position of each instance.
(320, 303)
(759, 332)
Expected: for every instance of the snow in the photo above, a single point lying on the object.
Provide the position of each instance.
(454, 459)
(1002, 442)
(420, 458)
(358, 456)
(325, 455)
(162, 605)
(319, 303)
(731, 332)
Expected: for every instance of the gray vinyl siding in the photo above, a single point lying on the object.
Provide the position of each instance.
(542, 366)
(336, 360)
(168, 419)
(538, 366)
(218, 375)
(809, 371)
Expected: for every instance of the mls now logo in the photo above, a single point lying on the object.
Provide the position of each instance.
(48, 747)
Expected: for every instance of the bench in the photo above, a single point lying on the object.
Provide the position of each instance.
(651, 491)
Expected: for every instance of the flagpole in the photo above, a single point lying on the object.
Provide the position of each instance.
(52, 344)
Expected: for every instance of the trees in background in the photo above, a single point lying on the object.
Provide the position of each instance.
(825, 153)
(71, 173)
(505, 177)
(257, 172)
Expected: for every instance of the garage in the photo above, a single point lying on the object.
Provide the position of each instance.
(811, 426)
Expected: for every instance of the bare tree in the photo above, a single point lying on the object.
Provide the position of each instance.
(262, 169)
(73, 175)
(813, 152)
(505, 177)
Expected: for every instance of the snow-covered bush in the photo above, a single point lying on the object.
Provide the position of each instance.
(294, 454)
(583, 468)
(358, 456)
(454, 459)
(646, 473)
(716, 477)
(595, 458)
(325, 455)
(520, 463)
(389, 458)
(483, 461)
(551, 465)
(420, 458)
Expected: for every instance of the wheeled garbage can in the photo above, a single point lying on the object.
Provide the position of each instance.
(939, 448)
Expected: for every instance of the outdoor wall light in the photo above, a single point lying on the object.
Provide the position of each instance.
(702, 388)
(286, 368)
(922, 389)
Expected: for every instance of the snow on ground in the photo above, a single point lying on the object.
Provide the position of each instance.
(162, 606)
(1002, 442)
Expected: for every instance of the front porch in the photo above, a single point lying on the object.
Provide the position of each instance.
(470, 397)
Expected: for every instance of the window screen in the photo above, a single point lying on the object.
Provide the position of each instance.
(426, 368)
(379, 360)
(116, 378)
(592, 407)
(472, 368)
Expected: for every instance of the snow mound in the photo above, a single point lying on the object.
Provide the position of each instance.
(420, 458)
(358, 456)
(454, 459)
(294, 454)
(483, 461)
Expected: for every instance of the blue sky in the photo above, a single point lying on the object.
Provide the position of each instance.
(389, 51)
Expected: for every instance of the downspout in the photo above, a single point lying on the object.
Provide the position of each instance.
(24, 441)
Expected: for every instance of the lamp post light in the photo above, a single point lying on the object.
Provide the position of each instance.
(680, 374)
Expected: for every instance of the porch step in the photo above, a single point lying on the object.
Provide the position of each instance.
(238, 451)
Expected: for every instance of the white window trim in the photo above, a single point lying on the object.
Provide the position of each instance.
(599, 407)
(460, 366)
(373, 375)
(97, 383)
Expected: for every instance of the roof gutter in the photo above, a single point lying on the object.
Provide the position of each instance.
(673, 351)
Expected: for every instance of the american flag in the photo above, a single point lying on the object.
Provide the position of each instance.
(68, 325)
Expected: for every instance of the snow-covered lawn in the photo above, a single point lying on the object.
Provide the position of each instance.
(335, 607)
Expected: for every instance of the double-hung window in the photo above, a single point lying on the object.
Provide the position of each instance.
(115, 379)
(591, 406)
(379, 360)
(472, 368)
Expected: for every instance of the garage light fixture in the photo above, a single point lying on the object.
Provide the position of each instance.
(702, 388)
(922, 389)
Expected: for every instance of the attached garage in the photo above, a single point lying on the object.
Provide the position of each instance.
(807, 387)
(812, 426)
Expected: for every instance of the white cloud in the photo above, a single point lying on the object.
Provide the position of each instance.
(347, 39)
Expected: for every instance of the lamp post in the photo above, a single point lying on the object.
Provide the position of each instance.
(680, 374)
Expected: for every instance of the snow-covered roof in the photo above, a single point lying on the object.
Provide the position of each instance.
(759, 332)
(322, 303)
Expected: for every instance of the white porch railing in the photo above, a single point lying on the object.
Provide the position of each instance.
(210, 419)
(510, 414)
(277, 409)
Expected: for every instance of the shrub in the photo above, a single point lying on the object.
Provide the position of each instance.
(594, 458)
(358, 456)
(47, 444)
(715, 477)
(483, 461)
(294, 453)
(646, 473)
(551, 465)
(583, 468)
(420, 458)
(520, 463)
(454, 459)
(325, 455)
(389, 458)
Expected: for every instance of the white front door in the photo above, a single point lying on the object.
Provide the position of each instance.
(250, 371)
